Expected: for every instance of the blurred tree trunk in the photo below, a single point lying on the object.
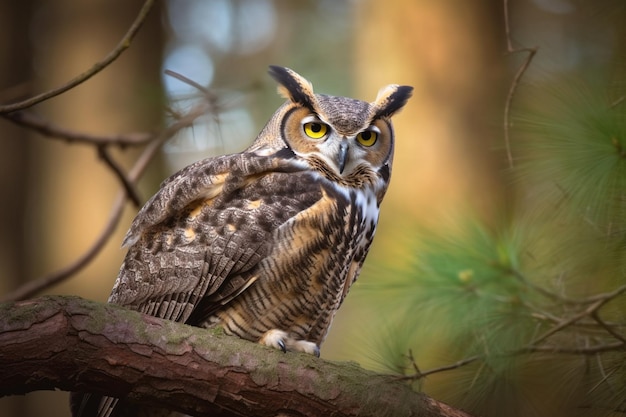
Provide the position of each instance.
(15, 82)
(451, 52)
(444, 165)
(56, 210)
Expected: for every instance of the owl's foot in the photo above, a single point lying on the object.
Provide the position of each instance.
(279, 339)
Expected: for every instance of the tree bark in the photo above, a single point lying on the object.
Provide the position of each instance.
(74, 344)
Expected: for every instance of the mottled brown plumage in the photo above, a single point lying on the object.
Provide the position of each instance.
(266, 243)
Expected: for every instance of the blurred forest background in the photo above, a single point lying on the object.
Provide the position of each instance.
(505, 264)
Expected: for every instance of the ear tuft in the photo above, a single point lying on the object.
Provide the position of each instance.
(294, 87)
(391, 99)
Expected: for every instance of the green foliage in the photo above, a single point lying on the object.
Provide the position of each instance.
(527, 318)
(468, 281)
(572, 150)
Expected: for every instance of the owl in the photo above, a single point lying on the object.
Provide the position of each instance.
(267, 242)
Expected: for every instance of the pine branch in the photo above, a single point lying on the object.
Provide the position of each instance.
(74, 344)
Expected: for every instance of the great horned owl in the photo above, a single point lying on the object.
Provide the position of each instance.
(267, 242)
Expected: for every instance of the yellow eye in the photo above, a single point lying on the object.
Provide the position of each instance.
(367, 138)
(315, 130)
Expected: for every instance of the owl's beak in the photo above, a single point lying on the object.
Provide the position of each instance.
(342, 158)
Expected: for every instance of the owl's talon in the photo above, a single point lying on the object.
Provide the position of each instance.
(306, 347)
(279, 339)
(282, 346)
(275, 338)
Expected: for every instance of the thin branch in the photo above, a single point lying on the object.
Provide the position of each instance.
(607, 327)
(607, 296)
(516, 80)
(127, 184)
(591, 325)
(541, 290)
(507, 27)
(591, 309)
(189, 81)
(589, 350)
(605, 376)
(565, 323)
(46, 128)
(33, 287)
(455, 365)
(618, 101)
(416, 368)
(96, 68)
(564, 299)
(536, 345)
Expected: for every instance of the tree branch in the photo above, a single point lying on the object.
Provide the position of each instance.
(74, 344)
(127, 183)
(46, 128)
(601, 300)
(33, 287)
(96, 68)
(516, 80)
(591, 304)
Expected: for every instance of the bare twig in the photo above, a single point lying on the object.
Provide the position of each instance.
(618, 101)
(589, 311)
(455, 365)
(207, 94)
(49, 129)
(588, 350)
(531, 348)
(96, 68)
(605, 376)
(416, 368)
(129, 187)
(516, 80)
(189, 81)
(607, 296)
(31, 288)
(558, 297)
(608, 327)
(592, 304)
(507, 27)
(541, 290)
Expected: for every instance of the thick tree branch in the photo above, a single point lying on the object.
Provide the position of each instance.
(75, 344)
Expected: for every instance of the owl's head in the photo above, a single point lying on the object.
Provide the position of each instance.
(348, 141)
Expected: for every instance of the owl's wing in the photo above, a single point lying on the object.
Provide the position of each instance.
(204, 180)
(204, 230)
